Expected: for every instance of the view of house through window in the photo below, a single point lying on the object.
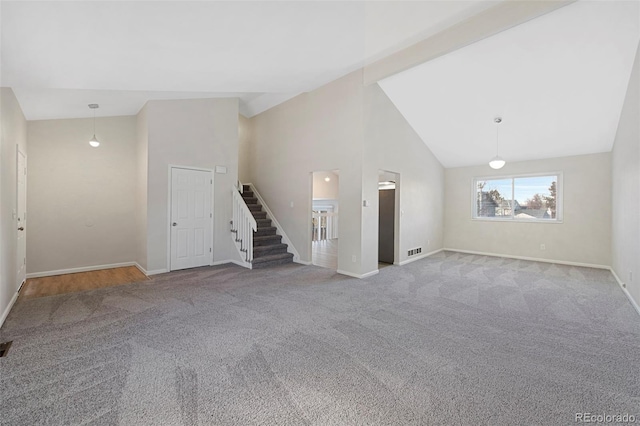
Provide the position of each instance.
(521, 198)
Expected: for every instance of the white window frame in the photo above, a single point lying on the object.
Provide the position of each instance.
(559, 198)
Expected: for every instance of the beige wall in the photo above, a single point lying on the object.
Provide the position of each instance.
(13, 134)
(356, 129)
(323, 190)
(244, 147)
(319, 130)
(626, 189)
(583, 237)
(81, 200)
(142, 156)
(391, 144)
(199, 133)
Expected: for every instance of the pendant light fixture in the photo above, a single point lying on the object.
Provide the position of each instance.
(94, 141)
(497, 162)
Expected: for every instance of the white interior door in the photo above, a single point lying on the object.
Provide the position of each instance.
(21, 218)
(191, 218)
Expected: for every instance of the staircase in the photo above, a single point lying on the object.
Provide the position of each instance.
(268, 249)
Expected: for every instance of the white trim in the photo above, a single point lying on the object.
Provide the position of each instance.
(285, 239)
(156, 272)
(626, 292)
(559, 197)
(533, 259)
(5, 314)
(84, 269)
(360, 276)
(241, 263)
(140, 268)
(26, 216)
(302, 262)
(422, 256)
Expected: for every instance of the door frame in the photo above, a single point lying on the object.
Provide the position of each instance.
(18, 153)
(169, 193)
(309, 209)
(397, 216)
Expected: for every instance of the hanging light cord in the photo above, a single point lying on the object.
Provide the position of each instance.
(497, 130)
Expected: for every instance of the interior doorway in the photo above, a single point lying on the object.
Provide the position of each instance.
(388, 217)
(21, 218)
(325, 213)
(191, 218)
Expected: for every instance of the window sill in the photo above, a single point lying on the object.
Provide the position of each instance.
(486, 219)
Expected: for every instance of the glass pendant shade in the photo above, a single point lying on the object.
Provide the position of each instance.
(94, 142)
(496, 162)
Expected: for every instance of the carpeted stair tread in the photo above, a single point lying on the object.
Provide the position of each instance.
(267, 230)
(263, 222)
(265, 240)
(250, 200)
(267, 250)
(274, 259)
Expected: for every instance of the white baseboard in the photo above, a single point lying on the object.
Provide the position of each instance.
(422, 256)
(241, 263)
(533, 259)
(360, 276)
(85, 269)
(140, 268)
(5, 314)
(626, 292)
(302, 262)
(156, 272)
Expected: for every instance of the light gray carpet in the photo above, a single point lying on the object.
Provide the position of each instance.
(451, 339)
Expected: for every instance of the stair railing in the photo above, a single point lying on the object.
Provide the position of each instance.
(243, 225)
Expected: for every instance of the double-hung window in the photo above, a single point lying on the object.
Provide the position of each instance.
(526, 198)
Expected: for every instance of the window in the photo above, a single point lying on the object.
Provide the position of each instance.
(522, 198)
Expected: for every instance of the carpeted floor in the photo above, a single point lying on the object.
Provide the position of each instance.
(451, 339)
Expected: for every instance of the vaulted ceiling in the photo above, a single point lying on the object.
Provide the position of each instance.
(558, 81)
(60, 56)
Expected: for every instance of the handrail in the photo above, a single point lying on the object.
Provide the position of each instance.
(243, 225)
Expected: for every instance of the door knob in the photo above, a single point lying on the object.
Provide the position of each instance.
(21, 228)
(174, 224)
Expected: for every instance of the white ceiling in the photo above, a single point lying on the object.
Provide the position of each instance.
(558, 81)
(60, 56)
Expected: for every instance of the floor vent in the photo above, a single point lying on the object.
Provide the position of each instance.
(4, 348)
(414, 251)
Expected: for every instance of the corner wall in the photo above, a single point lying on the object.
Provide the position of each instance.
(583, 237)
(356, 129)
(193, 133)
(625, 198)
(13, 133)
(315, 131)
(142, 156)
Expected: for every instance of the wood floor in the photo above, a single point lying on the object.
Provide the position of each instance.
(81, 281)
(325, 253)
